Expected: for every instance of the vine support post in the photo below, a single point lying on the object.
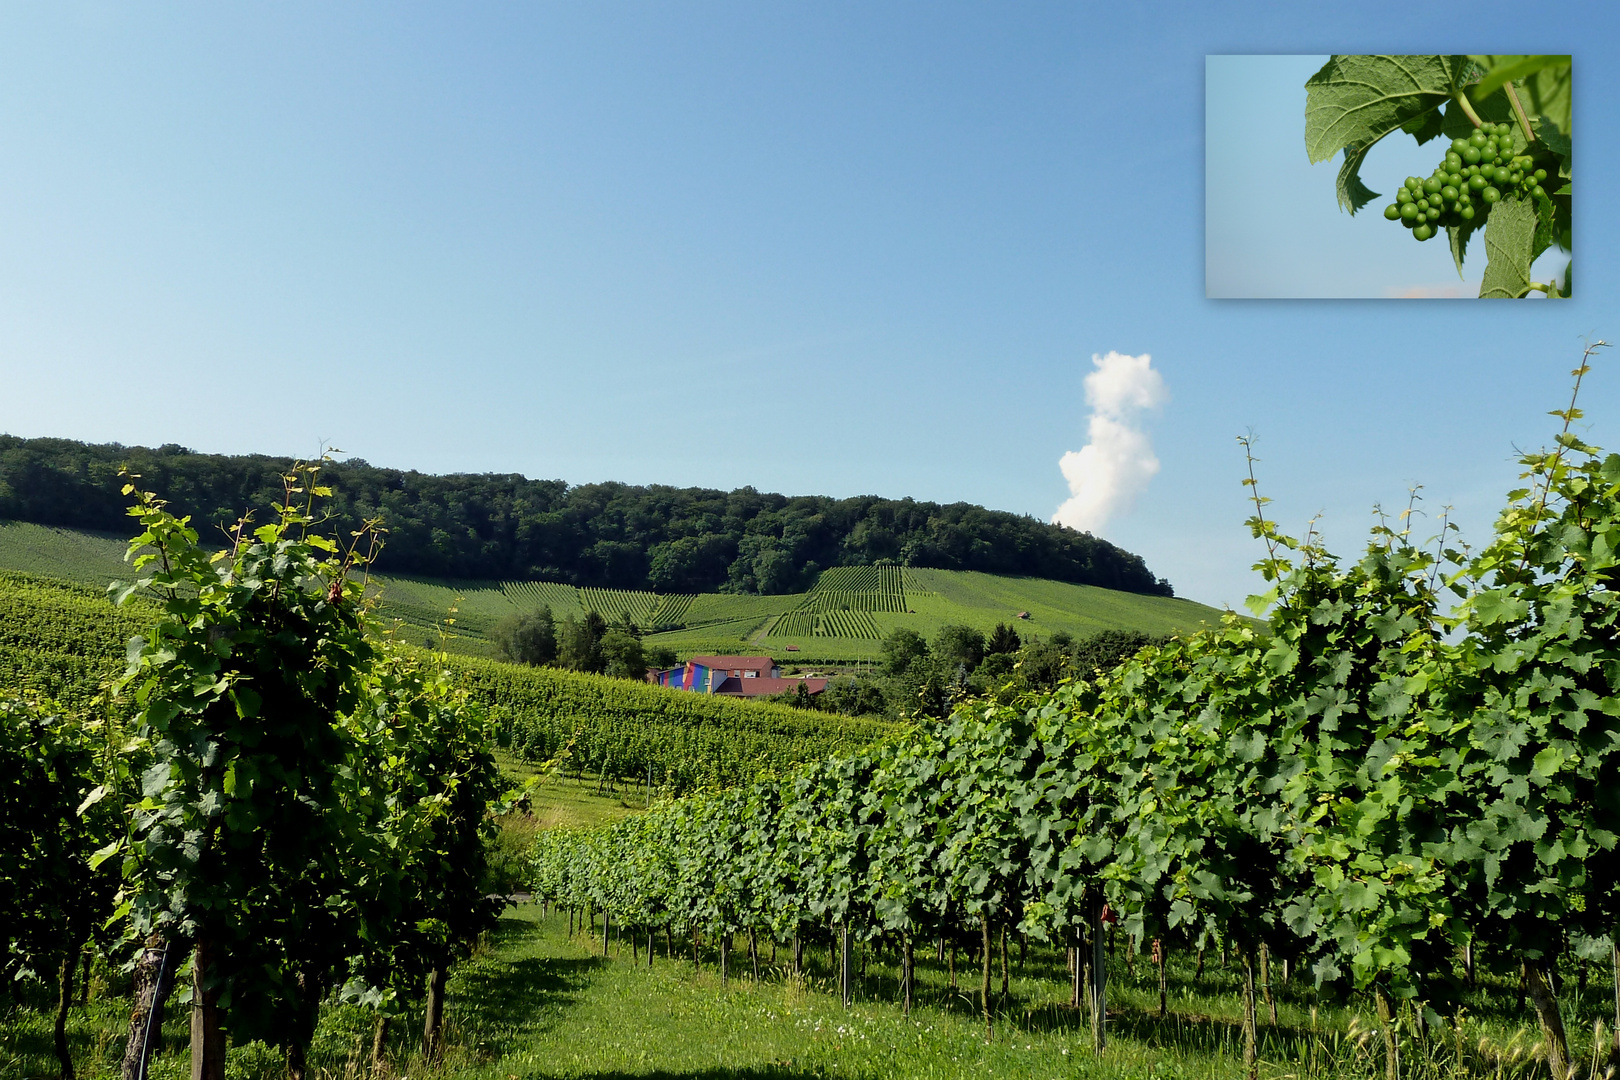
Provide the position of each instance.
(1251, 1055)
(908, 962)
(1075, 970)
(207, 1040)
(1265, 981)
(1098, 970)
(984, 985)
(433, 1020)
(846, 964)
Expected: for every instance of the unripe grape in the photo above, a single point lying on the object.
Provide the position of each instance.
(1470, 154)
(1392, 211)
(1490, 195)
(1431, 185)
(1409, 211)
(1477, 139)
(1539, 192)
(1541, 174)
(1466, 213)
(1453, 161)
(1448, 193)
(1459, 144)
(1423, 232)
(1477, 181)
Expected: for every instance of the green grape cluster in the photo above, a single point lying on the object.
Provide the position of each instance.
(1475, 174)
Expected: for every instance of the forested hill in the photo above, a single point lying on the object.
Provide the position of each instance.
(610, 535)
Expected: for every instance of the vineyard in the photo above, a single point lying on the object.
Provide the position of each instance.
(841, 605)
(1371, 791)
(865, 603)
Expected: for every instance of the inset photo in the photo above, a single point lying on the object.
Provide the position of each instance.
(1388, 177)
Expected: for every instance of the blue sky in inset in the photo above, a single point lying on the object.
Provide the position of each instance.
(834, 248)
(1273, 226)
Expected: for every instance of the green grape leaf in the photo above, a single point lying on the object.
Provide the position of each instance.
(1546, 226)
(1353, 194)
(1493, 109)
(1459, 235)
(1425, 127)
(1556, 141)
(1515, 68)
(1355, 100)
(1543, 84)
(1508, 242)
(1569, 280)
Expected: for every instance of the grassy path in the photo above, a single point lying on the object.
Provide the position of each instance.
(537, 1005)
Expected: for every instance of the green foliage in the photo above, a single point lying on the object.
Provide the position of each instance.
(625, 729)
(1508, 166)
(960, 645)
(54, 815)
(1003, 639)
(527, 638)
(246, 809)
(1363, 784)
(901, 650)
(609, 536)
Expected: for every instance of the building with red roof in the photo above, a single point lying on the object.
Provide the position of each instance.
(732, 676)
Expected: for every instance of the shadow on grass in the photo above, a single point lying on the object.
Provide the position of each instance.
(513, 999)
(751, 1072)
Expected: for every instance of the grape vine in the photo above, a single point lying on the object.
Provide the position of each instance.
(1362, 786)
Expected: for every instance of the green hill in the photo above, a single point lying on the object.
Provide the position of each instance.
(843, 618)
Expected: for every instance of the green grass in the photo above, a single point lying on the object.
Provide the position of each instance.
(565, 800)
(841, 620)
(535, 1003)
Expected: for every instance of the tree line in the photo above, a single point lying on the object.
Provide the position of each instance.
(610, 535)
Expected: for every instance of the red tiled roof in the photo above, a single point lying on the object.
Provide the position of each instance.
(762, 685)
(742, 663)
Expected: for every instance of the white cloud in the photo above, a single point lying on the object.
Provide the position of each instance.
(1117, 461)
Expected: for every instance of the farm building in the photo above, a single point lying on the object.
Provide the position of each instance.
(733, 676)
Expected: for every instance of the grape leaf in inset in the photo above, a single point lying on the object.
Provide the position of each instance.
(1556, 141)
(1353, 194)
(1425, 127)
(1546, 226)
(1508, 240)
(1543, 84)
(1494, 109)
(1459, 235)
(1354, 100)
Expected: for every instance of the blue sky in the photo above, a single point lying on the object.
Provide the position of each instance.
(818, 247)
